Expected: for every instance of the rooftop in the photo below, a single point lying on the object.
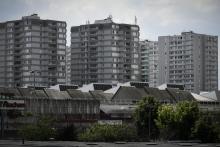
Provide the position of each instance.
(107, 20)
(32, 16)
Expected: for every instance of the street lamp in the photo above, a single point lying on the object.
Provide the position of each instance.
(149, 120)
(34, 72)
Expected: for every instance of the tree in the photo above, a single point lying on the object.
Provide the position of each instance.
(187, 113)
(166, 121)
(206, 130)
(144, 116)
(177, 121)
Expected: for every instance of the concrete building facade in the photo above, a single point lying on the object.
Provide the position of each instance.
(104, 52)
(68, 65)
(149, 62)
(144, 53)
(190, 59)
(32, 52)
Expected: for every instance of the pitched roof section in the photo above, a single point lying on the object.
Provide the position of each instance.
(180, 95)
(41, 94)
(27, 92)
(201, 98)
(79, 95)
(101, 96)
(132, 94)
(55, 94)
(31, 93)
(129, 94)
(124, 95)
(8, 92)
(160, 95)
(215, 95)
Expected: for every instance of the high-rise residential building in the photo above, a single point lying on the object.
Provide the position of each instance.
(68, 65)
(190, 59)
(32, 52)
(153, 64)
(104, 52)
(144, 54)
(149, 62)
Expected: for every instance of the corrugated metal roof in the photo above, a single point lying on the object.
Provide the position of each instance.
(10, 92)
(100, 95)
(180, 95)
(129, 93)
(48, 94)
(55, 94)
(27, 92)
(215, 95)
(160, 95)
(40, 94)
(77, 94)
(201, 98)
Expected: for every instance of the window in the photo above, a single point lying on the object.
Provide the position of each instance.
(28, 45)
(61, 35)
(61, 41)
(26, 28)
(28, 34)
(61, 46)
(61, 52)
(60, 30)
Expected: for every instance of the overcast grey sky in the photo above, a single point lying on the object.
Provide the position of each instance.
(155, 17)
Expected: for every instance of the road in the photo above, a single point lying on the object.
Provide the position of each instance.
(18, 143)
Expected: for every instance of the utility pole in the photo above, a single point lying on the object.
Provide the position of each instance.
(2, 124)
(2, 119)
(149, 121)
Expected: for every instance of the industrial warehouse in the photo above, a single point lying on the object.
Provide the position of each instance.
(93, 103)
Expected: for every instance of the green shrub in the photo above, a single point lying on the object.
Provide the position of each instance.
(42, 130)
(108, 133)
(68, 133)
(206, 130)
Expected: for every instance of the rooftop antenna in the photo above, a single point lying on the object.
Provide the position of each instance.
(87, 22)
(135, 20)
(110, 16)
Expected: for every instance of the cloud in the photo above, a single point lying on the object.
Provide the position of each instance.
(163, 15)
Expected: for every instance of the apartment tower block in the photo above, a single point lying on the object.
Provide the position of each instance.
(104, 52)
(32, 52)
(190, 59)
(149, 62)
